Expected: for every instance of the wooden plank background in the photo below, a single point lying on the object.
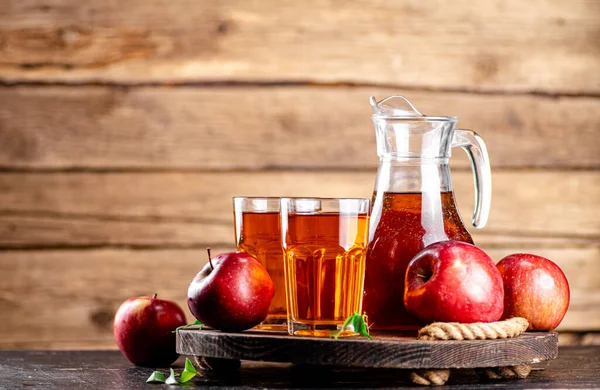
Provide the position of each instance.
(126, 128)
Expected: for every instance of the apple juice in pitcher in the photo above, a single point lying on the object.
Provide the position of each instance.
(413, 203)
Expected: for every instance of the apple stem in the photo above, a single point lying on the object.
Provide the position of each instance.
(154, 296)
(424, 277)
(209, 259)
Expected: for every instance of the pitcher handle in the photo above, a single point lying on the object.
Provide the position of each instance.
(475, 148)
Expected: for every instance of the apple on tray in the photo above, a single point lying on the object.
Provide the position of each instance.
(453, 281)
(231, 293)
(143, 330)
(536, 289)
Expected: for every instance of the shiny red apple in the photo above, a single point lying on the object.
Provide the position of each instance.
(143, 330)
(453, 281)
(231, 293)
(535, 288)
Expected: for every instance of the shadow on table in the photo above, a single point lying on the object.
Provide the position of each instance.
(276, 375)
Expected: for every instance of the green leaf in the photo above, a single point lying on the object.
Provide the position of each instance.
(189, 367)
(186, 376)
(337, 333)
(171, 380)
(358, 323)
(363, 328)
(156, 377)
(195, 323)
(189, 372)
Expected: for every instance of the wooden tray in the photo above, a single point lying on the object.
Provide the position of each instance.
(385, 351)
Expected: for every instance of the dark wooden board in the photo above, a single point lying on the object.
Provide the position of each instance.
(384, 351)
(575, 367)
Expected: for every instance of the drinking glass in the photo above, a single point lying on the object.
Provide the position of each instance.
(256, 225)
(324, 242)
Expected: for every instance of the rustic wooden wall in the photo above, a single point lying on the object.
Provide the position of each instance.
(126, 128)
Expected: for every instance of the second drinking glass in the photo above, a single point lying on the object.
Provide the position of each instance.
(324, 242)
(256, 223)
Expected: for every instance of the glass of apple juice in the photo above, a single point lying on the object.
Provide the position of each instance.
(324, 242)
(257, 232)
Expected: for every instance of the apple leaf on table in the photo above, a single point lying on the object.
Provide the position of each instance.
(171, 380)
(156, 377)
(187, 374)
(357, 322)
(189, 366)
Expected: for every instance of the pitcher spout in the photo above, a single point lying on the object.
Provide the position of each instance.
(396, 106)
(403, 132)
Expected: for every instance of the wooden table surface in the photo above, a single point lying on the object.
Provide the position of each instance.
(575, 367)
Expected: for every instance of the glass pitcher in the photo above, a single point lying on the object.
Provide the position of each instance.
(413, 202)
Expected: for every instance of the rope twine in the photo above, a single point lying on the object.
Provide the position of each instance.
(475, 331)
(430, 377)
(518, 371)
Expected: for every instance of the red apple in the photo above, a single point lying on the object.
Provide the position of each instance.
(535, 288)
(453, 281)
(143, 329)
(231, 293)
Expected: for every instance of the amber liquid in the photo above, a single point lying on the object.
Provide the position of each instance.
(406, 223)
(325, 264)
(261, 237)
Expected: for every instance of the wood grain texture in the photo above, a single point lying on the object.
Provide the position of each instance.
(575, 367)
(67, 298)
(126, 128)
(529, 209)
(71, 297)
(224, 128)
(382, 352)
(579, 338)
(423, 44)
